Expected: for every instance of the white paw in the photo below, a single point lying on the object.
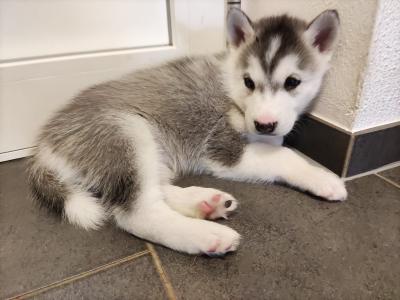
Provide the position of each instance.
(208, 203)
(328, 185)
(217, 205)
(213, 239)
(199, 202)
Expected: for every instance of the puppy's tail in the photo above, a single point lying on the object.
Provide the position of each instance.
(78, 207)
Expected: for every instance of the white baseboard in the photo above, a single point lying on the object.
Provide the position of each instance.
(10, 155)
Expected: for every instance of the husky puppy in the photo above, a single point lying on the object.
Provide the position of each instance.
(114, 151)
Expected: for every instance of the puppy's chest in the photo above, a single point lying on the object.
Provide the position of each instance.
(211, 138)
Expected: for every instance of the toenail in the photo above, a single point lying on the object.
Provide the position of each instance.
(228, 248)
(228, 203)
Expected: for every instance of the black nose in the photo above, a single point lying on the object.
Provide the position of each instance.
(265, 128)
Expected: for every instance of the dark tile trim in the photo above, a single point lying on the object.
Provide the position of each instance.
(325, 144)
(345, 153)
(375, 149)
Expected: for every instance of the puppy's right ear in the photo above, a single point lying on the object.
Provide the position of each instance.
(322, 32)
(239, 27)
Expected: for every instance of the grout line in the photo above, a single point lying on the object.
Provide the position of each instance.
(163, 275)
(338, 127)
(73, 278)
(377, 128)
(349, 152)
(388, 180)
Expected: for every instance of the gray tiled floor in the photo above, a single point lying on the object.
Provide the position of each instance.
(293, 246)
(36, 249)
(136, 279)
(296, 247)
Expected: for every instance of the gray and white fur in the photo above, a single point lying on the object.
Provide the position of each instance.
(115, 149)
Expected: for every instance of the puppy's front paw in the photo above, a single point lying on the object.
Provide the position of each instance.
(329, 186)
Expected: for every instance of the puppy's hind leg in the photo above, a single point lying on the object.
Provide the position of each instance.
(154, 220)
(148, 216)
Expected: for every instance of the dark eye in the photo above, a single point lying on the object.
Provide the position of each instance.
(249, 83)
(291, 83)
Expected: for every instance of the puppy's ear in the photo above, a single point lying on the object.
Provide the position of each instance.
(239, 27)
(322, 32)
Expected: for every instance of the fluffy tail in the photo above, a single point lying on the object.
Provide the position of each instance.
(78, 207)
(84, 210)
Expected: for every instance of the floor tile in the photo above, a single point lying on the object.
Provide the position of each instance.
(135, 280)
(392, 174)
(36, 249)
(295, 247)
(357, 249)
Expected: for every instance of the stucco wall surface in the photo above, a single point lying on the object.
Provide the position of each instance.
(337, 103)
(380, 97)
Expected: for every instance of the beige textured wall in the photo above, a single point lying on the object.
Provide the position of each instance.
(338, 101)
(379, 102)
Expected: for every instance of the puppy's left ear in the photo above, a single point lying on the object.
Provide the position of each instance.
(322, 32)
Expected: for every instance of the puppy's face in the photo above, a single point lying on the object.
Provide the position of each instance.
(275, 67)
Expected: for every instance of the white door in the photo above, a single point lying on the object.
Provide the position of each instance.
(52, 49)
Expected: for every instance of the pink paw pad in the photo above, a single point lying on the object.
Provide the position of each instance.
(206, 208)
(218, 205)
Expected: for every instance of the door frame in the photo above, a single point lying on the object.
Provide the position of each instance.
(188, 20)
